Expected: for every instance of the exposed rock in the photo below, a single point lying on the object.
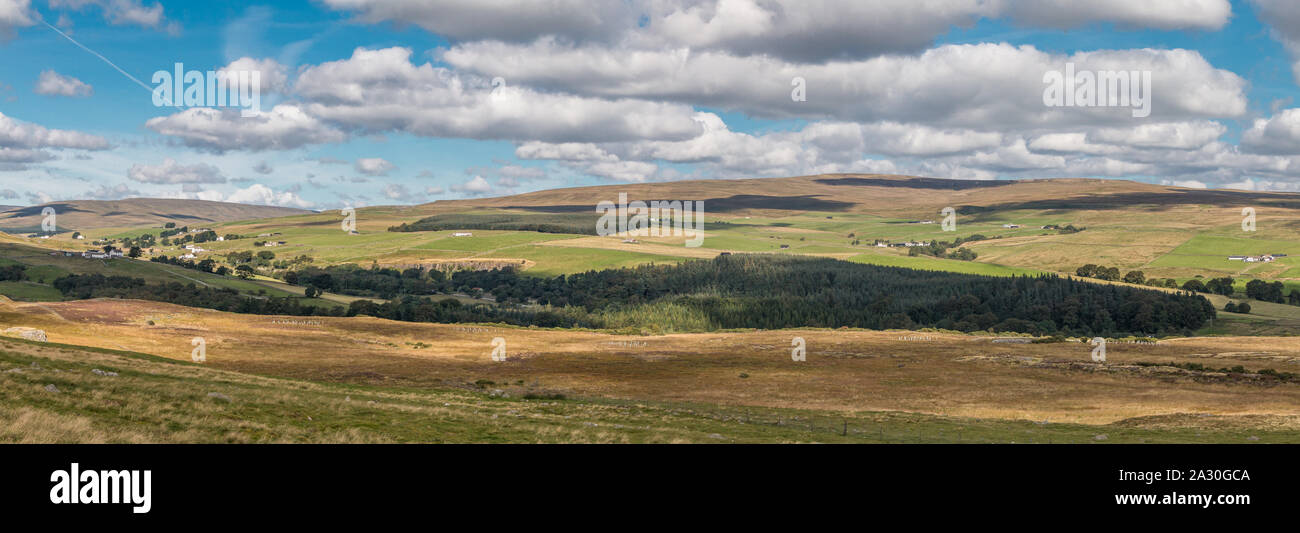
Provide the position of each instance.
(1100, 437)
(51, 388)
(31, 334)
(104, 373)
(219, 396)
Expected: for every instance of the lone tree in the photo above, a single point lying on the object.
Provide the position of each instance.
(311, 292)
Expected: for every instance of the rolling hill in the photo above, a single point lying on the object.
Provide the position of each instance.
(81, 215)
(1168, 232)
(1165, 231)
(368, 379)
(362, 379)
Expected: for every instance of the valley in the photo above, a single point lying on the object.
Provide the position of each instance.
(1232, 379)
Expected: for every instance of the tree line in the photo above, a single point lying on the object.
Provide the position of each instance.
(1258, 289)
(409, 308)
(739, 291)
(13, 272)
(766, 291)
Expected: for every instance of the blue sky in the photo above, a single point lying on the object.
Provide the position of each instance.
(392, 101)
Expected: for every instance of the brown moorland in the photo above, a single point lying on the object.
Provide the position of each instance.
(846, 370)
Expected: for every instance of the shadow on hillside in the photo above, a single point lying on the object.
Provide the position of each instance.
(722, 205)
(175, 215)
(1154, 201)
(35, 210)
(917, 183)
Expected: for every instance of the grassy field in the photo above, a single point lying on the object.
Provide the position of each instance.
(945, 265)
(1163, 231)
(29, 291)
(44, 268)
(53, 394)
(313, 379)
(847, 372)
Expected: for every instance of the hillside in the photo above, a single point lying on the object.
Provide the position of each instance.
(312, 377)
(1007, 228)
(287, 379)
(1171, 232)
(892, 195)
(81, 215)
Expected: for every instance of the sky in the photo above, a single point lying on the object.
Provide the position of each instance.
(382, 102)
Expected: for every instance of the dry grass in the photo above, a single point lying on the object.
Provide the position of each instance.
(846, 371)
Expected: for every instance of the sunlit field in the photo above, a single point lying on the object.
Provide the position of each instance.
(1233, 381)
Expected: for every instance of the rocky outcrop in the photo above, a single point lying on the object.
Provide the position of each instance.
(31, 334)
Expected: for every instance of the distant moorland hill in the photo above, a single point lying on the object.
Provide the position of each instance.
(80, 215)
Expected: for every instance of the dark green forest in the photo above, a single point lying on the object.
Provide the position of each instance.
(769, 292)
(409, 308)
(577, 223)
(738, 291)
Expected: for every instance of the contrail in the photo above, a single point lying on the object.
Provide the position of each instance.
(105, 59)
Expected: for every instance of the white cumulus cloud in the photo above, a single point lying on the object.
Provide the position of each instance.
(171, 171)
(55, 84)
